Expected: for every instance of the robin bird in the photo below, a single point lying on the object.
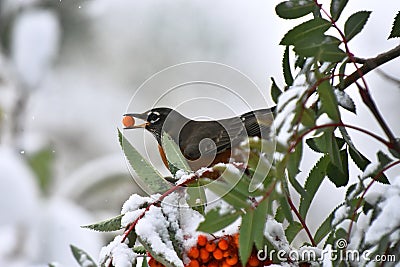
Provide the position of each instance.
(203, 143)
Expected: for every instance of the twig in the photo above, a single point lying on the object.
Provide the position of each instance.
(388, 77)
(368, 65)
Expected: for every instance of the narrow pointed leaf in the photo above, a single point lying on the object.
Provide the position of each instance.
(355, 23)
(337, 7)
(292, 230)
(227, 193)
(275, 91)
(304, 30)
(287, 72)
(174, 155)
(396, 27)
(82, 257)
(339, 175)
(345, 101)
(215, 221)
(260, 216)
(245, 237)
(329, 101)
(149, 177)
(294, 9)
(313, 182)
(110, 225)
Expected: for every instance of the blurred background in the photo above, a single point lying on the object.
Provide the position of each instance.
(68, 70)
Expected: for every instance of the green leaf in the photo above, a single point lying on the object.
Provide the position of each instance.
(260, 216)
(113, 224)
(225, 191)
(325, 228)
(313, 182)
(329, 101)
(359, 159)
(197, 197)
(150, 178)
(333, 148)
(337, 7)
(294, 160)
(312, 27)
(345, 101)
(396, 27)
(275, 91)
(294, 9)
(292, 230)
(215, 221)
(176, 160)
(41, 162)
(339, 175)
(323, 48)
(246, 236)
(308, 117)
(355, 23)
(140, 250)
(287, 73)
(144, 261)
(82, 257)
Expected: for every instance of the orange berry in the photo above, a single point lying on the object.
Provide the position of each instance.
(232, 260)
(226, 253)
(253, 261)
(194, 253)
(223, 244)
(201, 240)
(194, 263)
(204, 254)
(128, 121)
(225, 264)
(211, 246)
(236, 239)
(217, 254)
(213, 264)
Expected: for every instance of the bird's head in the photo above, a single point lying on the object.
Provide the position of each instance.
(157, 121)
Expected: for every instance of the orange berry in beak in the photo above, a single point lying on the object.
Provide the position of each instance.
(128, 121)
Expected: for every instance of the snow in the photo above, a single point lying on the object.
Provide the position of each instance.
(340, 214)
(131, 216)
(136, 201)
(38, 31)
(120, 253)
(370, 170)
(153, 230)
(388, 219)
(343, 99)
(275, 234)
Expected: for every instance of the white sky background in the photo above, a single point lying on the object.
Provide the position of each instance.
(80, 101)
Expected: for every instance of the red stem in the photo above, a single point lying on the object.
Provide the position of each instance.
(380, 139)
(303, 223)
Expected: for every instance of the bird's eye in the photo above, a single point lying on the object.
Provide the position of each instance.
(153, 117)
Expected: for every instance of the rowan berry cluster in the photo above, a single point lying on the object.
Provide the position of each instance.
(217, 252)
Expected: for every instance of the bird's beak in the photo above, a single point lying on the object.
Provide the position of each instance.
(138, 116)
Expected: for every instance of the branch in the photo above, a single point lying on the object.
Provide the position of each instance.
(368, 65)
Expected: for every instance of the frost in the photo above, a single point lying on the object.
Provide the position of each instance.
(276, 235)
(120, 254)
(184, 178)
